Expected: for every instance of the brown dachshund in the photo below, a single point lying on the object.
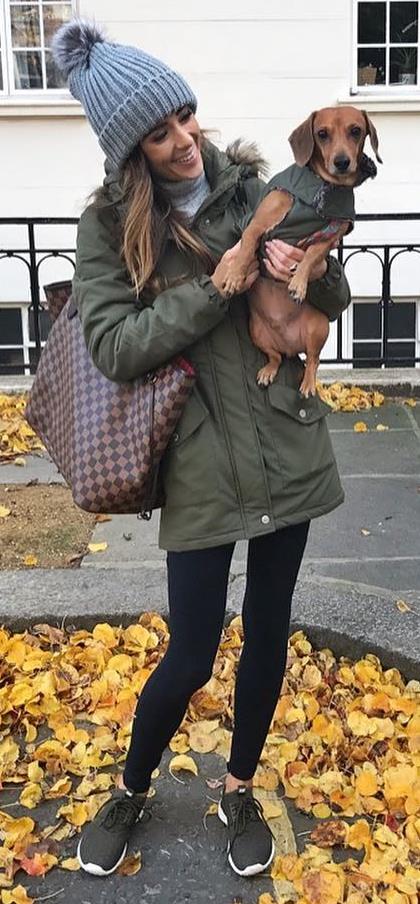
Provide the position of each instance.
(311, 205)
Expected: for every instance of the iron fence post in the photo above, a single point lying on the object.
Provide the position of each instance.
(35, 301)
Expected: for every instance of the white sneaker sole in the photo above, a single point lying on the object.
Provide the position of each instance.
(253, 868)
(93, 868)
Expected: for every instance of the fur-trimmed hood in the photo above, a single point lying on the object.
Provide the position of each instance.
(247, 153)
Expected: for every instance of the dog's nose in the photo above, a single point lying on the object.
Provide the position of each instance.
(341, 163)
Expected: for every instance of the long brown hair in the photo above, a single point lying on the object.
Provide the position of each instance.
(148, 220)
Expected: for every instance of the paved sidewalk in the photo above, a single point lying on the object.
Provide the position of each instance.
(345, 599)
(349, 582)
(393, 381)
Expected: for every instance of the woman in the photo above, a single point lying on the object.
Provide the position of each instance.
(152, 253)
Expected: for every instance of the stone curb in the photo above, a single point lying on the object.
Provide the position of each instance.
(393, 381)
(349, 620)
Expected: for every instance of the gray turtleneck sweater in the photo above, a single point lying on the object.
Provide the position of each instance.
(187, 195)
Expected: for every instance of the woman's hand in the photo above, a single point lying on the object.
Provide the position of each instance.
(220, 274)
(282, 259)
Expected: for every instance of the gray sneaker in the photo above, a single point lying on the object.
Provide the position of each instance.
(104, 842)
(251, 844)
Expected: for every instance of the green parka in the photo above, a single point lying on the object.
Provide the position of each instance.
(244, 461)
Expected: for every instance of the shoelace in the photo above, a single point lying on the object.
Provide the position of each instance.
(247, 810)
(123, 812)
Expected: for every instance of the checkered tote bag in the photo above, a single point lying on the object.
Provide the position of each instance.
(106, 438)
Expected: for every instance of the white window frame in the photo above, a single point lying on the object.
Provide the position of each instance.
(402, 90)
(26, 343)
(3, 52)
(7, 54)
(349, 339)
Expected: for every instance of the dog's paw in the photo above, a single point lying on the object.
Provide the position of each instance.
(233, 285)
(308, 387)
(267, 374)
(297, 289)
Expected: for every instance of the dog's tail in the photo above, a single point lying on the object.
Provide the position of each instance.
(247, 153)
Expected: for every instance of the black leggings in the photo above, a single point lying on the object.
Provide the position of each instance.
(197, 582)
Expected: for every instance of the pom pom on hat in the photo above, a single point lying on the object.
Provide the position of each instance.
(124, 91)
(73, 43)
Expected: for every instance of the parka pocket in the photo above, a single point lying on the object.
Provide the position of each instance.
(301, 435)
(193, 415)
(289, 400)
(189, 470)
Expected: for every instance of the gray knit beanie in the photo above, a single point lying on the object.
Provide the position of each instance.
(125, 92)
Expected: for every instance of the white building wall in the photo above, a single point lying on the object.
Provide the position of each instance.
(258, 70)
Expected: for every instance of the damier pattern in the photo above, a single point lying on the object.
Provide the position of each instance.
(106, 438)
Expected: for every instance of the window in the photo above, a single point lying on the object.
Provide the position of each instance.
(26, 30)
(17, 339)
(368, 330)
(387, 45)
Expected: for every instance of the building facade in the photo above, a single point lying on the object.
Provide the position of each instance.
(258, 70)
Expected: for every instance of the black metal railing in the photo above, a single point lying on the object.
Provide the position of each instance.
(33, 257)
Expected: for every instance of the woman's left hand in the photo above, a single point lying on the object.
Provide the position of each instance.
(282, 258)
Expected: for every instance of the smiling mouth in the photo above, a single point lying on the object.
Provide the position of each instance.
(187, 158)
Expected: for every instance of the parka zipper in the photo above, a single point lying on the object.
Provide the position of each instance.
(252, 417)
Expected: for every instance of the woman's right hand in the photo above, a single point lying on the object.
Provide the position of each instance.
(220, 274)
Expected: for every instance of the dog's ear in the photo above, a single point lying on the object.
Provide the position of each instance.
(302, 141)
(373, 135)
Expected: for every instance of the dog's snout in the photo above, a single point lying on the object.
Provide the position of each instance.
(341, 163)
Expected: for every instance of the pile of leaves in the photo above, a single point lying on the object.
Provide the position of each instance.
(349, 398)
(344, 743)
(16, 436)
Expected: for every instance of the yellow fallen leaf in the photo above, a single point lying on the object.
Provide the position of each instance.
(202, 735)
(30, 559)
(17, 895)
(268, 779)
(31, 731)
(322, 886)
(360, 427)
(70, 863)
(411, 402)
(104, 632)
(35, 773)
(16, 652)
(9, 752)
(61, 788)
(321, 811)
(183, 762)
(4, 512)
(76, 813)
(31, 795)
(272, 808)
(402, 606)
(20, 462)
(399, 780)
(179, 743)
(366, 783)
(97, 547)
(131, 865)
(17, 829)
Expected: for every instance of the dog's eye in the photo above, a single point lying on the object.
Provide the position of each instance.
(322, 134)
(355, 132)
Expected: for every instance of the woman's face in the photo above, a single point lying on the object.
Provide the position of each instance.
(173, 148)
